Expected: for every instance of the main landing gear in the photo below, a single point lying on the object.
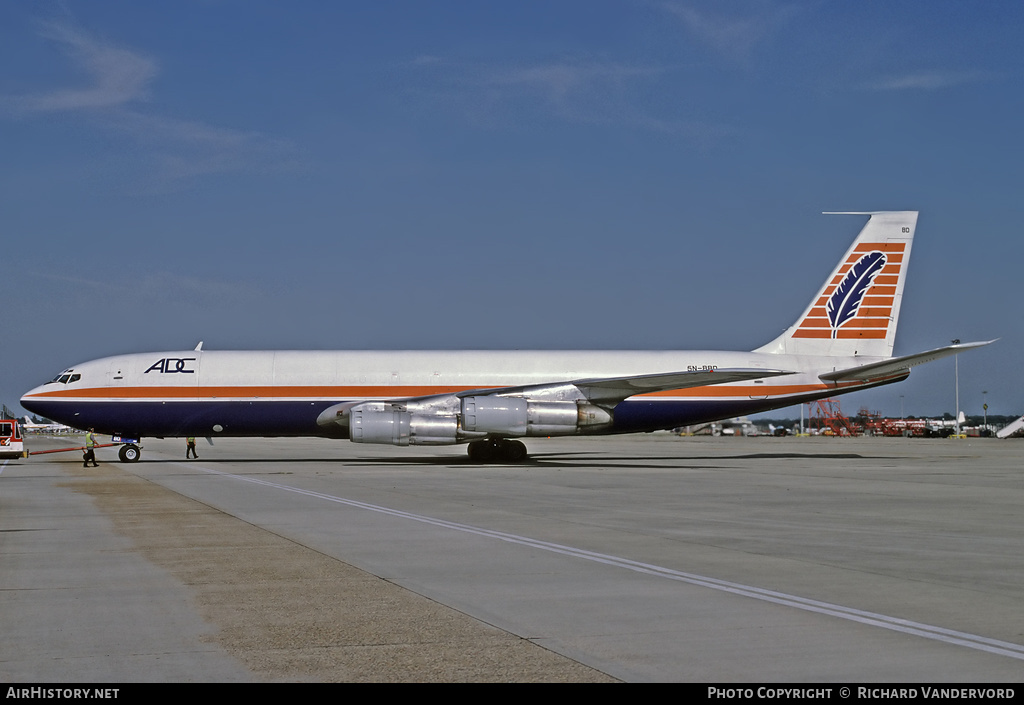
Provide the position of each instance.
(497, 450)
(129, 453)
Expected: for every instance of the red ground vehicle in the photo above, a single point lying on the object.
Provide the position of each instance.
(11, 443)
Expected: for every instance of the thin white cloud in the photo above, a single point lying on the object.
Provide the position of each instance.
(562, 79)
(733, 29)
(117, 76)
(568, 87)
(183, 149)
(574, 91)
(117, 87)
(926, 81)
(156, 287)
(426, 60)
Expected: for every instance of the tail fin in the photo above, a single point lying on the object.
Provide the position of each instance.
(857, 309)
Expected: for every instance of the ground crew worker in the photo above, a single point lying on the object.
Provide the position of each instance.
(190, 447)
(90, 449)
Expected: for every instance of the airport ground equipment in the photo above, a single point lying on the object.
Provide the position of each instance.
(11, 443)
(828, 420)
(124, 454)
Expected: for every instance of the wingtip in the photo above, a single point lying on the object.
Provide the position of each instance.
(974, 344)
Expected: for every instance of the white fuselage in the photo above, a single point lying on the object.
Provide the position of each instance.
(281, 393)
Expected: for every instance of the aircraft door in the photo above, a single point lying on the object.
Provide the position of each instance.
(117, 372)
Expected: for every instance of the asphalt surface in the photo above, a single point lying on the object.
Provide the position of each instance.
(640, 558)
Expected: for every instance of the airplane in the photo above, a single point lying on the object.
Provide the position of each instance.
(843, 342)
(29, 425)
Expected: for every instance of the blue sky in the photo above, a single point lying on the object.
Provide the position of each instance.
(592, 174)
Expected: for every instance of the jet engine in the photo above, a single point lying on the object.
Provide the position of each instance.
(401, 428)
(516, 416)
(468, 419)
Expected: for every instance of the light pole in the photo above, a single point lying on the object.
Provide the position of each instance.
(984, 407)
(956, 367)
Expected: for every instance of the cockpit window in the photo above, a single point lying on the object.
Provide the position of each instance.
(65, 377)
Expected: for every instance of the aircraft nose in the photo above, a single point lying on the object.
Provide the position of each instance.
(28, 398)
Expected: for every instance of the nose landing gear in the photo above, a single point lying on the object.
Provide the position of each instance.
(129, 453)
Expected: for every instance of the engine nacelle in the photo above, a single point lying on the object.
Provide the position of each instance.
(516, 416)
(401, 428)
(508, 415)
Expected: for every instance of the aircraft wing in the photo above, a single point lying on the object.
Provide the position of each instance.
(616, 389)
(611, 390)
(897, 365)
(604, 391)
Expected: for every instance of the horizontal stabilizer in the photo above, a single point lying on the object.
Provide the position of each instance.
(897, 365)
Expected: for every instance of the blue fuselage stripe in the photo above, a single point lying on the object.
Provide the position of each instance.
(298, 418)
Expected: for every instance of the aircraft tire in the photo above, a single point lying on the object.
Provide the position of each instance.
(497, 451)
(482, 451)
(513, 451)
(129, 453)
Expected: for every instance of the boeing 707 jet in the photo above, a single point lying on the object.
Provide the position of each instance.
(843, 342)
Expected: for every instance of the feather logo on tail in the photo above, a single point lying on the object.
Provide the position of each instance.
(845, 300)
